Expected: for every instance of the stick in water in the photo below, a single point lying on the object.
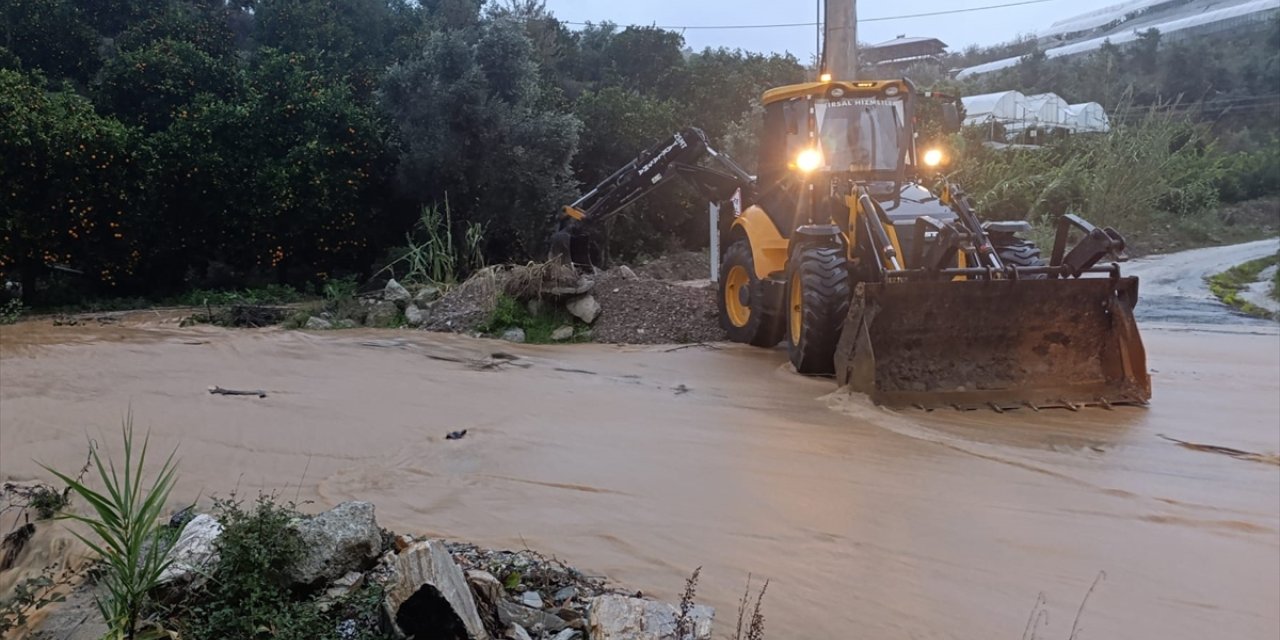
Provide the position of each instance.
(237, 392)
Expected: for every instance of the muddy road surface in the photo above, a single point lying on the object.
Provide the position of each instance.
(641, 463)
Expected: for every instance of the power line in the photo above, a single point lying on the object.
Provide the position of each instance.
(789, 25)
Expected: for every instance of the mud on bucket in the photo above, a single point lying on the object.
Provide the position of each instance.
(995, 343)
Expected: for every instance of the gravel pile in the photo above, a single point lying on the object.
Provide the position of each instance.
(677, 267)
(647, 311)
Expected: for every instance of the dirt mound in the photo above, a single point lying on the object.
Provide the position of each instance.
(646, 311)
(686, 265)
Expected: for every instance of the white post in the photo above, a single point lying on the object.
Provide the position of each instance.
(714, 211)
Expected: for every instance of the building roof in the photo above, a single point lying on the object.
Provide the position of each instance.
(903, 40)
(1208, 17)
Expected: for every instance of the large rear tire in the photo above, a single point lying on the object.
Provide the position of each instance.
(742, 300)
(818, 293)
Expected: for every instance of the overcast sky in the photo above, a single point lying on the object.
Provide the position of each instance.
(957, 30)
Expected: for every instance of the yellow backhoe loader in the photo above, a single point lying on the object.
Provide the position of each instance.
(897, 289)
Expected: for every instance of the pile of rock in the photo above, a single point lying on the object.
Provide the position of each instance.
(380, 308)
(435, 589)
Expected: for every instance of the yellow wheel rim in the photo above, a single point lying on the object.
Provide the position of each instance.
(795, 302)
(734, 282)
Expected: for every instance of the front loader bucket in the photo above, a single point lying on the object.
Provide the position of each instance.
(998, 344)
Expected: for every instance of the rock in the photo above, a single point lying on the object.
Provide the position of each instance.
(343, 539)
(315, 323)
(582, 286)
(584, 308)
(488, 592)
(194, 553)
(414, 316)
(562, 333)
(395, 292)
(514, 334)
(402, 542)
(529, 618)
(564, 595)
(426, 294)
(427, 595)
(615, 617)
(626, 273)
(568, 634)
(531, 599)
(382, 314)
(344, 323)
(517, 632)
(339, 589)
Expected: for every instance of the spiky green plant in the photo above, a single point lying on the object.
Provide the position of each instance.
(126, 530)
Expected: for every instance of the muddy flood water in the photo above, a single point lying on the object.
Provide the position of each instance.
(642, 463)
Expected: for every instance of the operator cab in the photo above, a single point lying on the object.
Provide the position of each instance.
(838, 134)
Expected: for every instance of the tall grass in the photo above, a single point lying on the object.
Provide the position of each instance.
(126, 530)
(1156, 162)
(432, 255)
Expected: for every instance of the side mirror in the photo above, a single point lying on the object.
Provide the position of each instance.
(950, 118)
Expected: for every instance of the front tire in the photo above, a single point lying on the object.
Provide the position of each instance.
(1016, 252)
(818, 293)
(742, 300)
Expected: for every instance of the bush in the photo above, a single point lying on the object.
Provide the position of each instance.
(510, 313)
(248, 591)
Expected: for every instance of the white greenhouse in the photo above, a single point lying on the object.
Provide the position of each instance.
(1046, 109)
(1002, 106)
(1087, 117)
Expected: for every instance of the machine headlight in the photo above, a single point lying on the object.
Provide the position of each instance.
(933, 157)
(809, 160)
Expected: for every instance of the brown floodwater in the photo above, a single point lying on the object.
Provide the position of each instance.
(641, 464)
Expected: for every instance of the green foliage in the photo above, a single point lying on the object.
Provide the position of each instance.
(51, 36)
(127, 532)
(470, 119)
(248, 594)
(1251, 174)
(431, 253)
(1161, 162)
(270, 294)
(1228, 285)
(11, 312)
(29, 596)
(75, 189)
(47, 502)
(152, 85)
(338, 289)
(509, 313)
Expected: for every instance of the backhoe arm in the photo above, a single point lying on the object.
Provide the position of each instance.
(674, 157)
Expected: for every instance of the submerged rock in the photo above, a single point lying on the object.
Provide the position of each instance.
(514, 334)
(427, 595)
(343, 539)
(316, 323)
(615, 617)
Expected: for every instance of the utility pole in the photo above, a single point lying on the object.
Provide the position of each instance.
(842, 39)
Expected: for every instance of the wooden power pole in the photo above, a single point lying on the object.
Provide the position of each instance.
(842, 39)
